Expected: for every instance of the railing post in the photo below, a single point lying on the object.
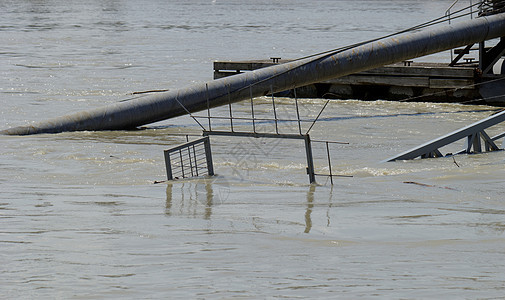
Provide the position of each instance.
(297, 111)
(168, 165)
(477, 146)
(190, 162)
(229, 108)
(275, 112)
(182, 163)
(329, 162)
(208, 105)
(195, 160)
(310, 159)
(252, 108)
(208, 156)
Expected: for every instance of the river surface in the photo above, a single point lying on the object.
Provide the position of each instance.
(81, 217)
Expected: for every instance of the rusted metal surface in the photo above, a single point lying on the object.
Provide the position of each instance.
(153, 108)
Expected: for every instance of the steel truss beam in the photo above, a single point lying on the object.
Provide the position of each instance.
(473, 133)
(491, 56)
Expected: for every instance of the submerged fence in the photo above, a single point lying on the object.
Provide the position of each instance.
(191, 159)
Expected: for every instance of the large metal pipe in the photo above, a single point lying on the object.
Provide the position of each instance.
(153, 108)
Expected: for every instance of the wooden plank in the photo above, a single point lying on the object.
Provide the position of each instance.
(416, 69)
(221, 74)
(382, 80)
(435, 71)
(242, 65)
(411, 81)
(451, 84)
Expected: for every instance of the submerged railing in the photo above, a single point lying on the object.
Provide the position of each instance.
(192, 159)
(183, 161)
(472, 134)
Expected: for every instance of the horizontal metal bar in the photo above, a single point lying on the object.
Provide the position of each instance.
(186, 162)
(255, 134)
(330, 142)
(187, 172)
(187, 167)
(186, 145)
(251, 119)
(197, 152)
(183, 134)
(497, 137)
(333, 175)
(185, 157)
(200, 159)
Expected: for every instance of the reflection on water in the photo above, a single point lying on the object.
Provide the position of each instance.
(310, 205)
(168, 202)
(210, 197)
(195, 197)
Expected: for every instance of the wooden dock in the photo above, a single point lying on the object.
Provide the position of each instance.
(407, 81)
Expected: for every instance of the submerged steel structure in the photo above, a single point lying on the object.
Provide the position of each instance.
(473, 134)
(153, 108)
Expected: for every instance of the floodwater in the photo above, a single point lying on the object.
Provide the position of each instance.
(82, 218)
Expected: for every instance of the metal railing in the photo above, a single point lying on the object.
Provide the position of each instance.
(472, 134)
(491, 7)
(191, 159)
(294, 132)
(448, 11)
(484, 8)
